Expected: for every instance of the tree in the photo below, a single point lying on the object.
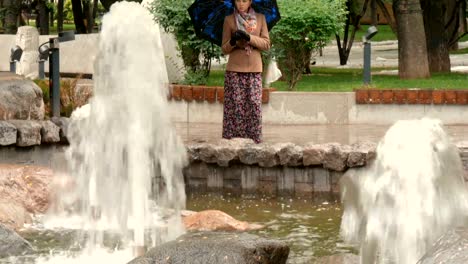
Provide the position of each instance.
(437, 42)
(353, 16)
(412, 50)
(196, 53)
(60, 6)
(10, 10)
(305, 27)
(43, 17)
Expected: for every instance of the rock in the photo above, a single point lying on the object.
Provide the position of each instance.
(251, 154)
(336, 156)
(290, 155)
(28, 186)
(339, 259)
(13, 215)
(62, 123)
(27, 37)
(216, 248)
(83, 92)
(361, 153)
(207, 152)
(50, 133)
(215, 220)
(450, 248)
(29, 132)
(11, 244)
(313, 154)
(7, 134)
(227, 150)
(21, 99)
(268, 156)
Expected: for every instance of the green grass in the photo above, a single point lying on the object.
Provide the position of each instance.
(53, 30)
(344, 80)
(459, 51)
(384, 33)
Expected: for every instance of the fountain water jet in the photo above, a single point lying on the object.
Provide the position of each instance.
(410, 195)
(126, 149)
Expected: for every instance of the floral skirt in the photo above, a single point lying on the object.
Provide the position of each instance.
(242, 105)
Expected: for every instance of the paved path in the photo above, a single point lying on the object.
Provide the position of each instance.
(300, 134)
(384, 54)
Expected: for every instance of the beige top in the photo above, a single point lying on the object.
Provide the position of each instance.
(239, 60)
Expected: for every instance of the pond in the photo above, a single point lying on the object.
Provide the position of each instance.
(311, 229)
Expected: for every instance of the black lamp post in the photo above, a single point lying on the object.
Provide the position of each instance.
(371, 32)
(15, 56)
(54, 67)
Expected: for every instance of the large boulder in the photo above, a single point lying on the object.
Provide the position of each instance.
(13, 215)
(11, 244)
(217, 248)
(451, 248)
(20, 99)
(23, 186)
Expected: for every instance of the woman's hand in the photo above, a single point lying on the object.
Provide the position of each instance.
(242, 35)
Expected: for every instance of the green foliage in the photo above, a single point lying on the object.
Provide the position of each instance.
(195, 78)
(305, 27)
(174, 18)
(68, 11)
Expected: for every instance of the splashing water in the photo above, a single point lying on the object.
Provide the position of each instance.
(410, 195)
(126, 150)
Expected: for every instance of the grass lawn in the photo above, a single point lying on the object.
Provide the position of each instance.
(343, 80)
(53, 30)
(385, 33)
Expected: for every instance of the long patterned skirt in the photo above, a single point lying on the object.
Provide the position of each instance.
(242, 106)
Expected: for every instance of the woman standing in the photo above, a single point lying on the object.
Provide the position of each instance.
(245, 35)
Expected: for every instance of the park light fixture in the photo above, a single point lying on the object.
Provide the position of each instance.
(371, 32)
(15, 56)
(52, 51)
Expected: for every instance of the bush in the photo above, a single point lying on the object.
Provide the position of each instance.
(174, 18)
(304, 28)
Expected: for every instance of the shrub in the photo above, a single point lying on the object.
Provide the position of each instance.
(305, 27)
(174, 18)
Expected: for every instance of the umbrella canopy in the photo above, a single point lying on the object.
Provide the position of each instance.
(208, 16)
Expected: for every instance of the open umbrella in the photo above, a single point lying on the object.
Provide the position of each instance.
(208, 16)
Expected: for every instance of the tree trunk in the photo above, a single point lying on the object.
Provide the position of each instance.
(412, 50)
(60, 15)
(436, 35)
(78, 17)
(345, 49)
(88, 13)
(43, 18)
(374, 17)
(94, 13)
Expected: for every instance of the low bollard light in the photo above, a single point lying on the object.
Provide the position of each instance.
(371, 32)
(15, 56)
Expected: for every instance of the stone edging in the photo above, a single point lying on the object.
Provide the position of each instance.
(332, 156)
(210, 94)
(26, 133)
(411, 96)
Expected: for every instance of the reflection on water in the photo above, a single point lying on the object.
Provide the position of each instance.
(310, 229)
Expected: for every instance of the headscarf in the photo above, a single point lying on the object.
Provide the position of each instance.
(246, 21)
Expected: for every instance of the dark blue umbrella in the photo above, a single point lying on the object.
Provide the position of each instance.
(208, 16)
